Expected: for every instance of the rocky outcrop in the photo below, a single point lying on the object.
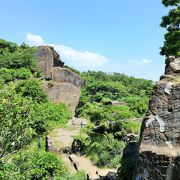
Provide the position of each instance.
(159, 150)
(62, 84)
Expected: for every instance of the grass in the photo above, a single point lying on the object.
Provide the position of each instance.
(55, 124)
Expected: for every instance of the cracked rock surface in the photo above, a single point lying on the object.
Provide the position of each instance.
(159, 149)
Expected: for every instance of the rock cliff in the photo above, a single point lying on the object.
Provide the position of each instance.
(159, 150)
(62, 84)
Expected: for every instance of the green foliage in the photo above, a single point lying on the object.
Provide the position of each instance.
(46, 114)
(132, 127)
(32, 88)
(13, 74)
(80, 175)
(33, 165)
(170, 2)
(22, 58)
(105, 151)
(138, 105)
(22, 73)
(7, 46)
(117, 80)
(102, 140)
(15, 130)
(100, 89)
(21, 120)
(25, 116)
(172, 23)
(7, 74)
(1, 82)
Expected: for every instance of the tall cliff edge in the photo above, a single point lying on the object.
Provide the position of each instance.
(62, 84)
(159, 150)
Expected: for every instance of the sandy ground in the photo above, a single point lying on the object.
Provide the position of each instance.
(61, 138)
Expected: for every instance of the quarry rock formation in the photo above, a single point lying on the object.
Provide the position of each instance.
(62, 84)
(159, 150)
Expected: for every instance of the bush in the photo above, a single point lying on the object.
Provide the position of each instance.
(22, 73)
(23, 58)
(15, 129)
(7, 74)
(12, 74)
(45, 114)
(138, 105)
(105, 151)
(132, 127)
(32, 88)
(33, 165)
(7, 46)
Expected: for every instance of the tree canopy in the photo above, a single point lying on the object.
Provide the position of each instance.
(171, 23)
(102, 140)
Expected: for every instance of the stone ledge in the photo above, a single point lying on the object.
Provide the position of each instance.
(160, 150)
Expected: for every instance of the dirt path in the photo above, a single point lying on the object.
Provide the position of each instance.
(63, 138)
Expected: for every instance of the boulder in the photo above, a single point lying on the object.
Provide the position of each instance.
(65, 84)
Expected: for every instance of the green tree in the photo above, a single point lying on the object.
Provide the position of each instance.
(171, 23)
(32, 88)
(12, 56)
(15, 130)
(7, 46)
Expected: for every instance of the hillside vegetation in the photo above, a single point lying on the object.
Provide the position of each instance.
(26, 116)
(111, 102)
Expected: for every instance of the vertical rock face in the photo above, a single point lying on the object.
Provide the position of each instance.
(159, 150)
(65, 84)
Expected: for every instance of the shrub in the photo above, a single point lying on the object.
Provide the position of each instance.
(132, 126)
(22, 73)
(33, 165)
(7, 46)
(12, 74)
(15, 129)
(7, 74)
(32, 88)
(45, 114)
(18, 59)
(105, 151)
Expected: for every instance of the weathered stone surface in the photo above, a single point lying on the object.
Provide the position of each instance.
(159, 150)
(65, 84)
(44, 54)
(66, 75)
(47, 57)
(172, 65)
(63, 92)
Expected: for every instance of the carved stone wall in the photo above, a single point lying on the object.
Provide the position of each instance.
(159, 150)
(62, 85)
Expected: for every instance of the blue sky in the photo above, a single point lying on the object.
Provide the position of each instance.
(109, 35)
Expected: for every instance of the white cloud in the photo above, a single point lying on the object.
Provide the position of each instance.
(72, 57)
(34, 40)
(77, 58)
(86, 60)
